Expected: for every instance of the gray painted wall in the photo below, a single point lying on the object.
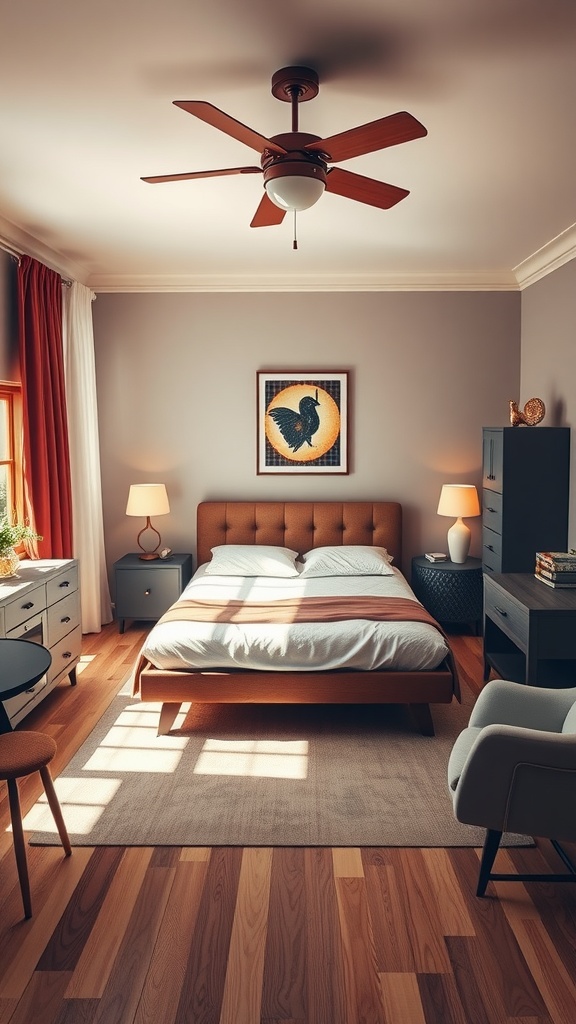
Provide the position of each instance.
(176, 377)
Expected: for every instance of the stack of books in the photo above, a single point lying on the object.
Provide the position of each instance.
(437, 556)
(556, 568)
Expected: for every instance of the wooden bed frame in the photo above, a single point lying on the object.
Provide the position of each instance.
(299, 525)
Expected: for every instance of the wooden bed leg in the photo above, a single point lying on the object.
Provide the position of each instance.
(423, 718)
(168, 716)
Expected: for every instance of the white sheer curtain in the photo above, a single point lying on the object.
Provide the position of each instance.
(88, 529)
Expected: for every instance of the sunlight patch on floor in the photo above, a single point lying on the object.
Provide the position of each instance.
(80, 815)
(132, 745)
(270, 759)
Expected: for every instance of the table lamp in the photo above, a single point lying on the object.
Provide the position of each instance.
(148, 500)
(460, 500)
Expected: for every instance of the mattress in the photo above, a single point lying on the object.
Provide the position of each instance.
(356, 644)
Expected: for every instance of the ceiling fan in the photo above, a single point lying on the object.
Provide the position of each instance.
(295, 164)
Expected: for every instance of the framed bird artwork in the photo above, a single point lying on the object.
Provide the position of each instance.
(302, 421)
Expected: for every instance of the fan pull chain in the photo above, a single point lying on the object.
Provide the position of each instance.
(295, 242)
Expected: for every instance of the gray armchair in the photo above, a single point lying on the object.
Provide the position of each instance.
(514, 770)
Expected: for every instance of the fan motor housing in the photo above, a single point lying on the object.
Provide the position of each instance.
(296, 161)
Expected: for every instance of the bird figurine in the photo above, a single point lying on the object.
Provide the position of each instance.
(534, 412)
(298, 427)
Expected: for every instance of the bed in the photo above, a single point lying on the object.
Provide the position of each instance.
(423, 674)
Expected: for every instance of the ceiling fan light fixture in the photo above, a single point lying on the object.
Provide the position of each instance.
(294, 192)
(294, 184)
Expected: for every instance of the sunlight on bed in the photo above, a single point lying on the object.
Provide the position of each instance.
(266, 759)
(80, 815)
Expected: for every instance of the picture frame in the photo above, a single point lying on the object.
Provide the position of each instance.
(302, 422)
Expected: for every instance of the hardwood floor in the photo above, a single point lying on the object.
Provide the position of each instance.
(271, 936)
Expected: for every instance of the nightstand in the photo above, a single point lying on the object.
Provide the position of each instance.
(529, 630)
(450, 591)
(146, 589)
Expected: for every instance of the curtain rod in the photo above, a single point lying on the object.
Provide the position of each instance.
(16, 254)
(11, 252)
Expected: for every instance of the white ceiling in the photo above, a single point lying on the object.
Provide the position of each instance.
(86, 109)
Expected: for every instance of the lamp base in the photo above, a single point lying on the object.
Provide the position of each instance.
(459, 541)
(147, 557)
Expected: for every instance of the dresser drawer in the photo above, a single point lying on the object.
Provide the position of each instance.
(31, 601)
(16, 706)
(62, 584)
(511, 617)
(65, 654)
(492, 510)
(63, 617)
(491, 550)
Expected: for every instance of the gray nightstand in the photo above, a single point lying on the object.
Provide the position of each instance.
(146, 589)
(450, 591)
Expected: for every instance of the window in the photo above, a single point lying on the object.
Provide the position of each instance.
(11, 482)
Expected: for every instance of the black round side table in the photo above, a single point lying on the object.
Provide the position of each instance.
(450, 591)
(22, 664)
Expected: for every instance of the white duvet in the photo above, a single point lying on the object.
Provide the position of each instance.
(304, 647)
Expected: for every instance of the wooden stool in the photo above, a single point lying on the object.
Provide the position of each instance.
(22, 753)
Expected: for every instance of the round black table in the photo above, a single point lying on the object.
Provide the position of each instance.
(22, 663)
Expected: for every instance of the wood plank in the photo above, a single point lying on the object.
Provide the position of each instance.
(390, 920)
(19, 959)
(126, 980)
(284, 992)
(449, 902)
(163, 984)
(557, 987)
(347, 862)
(324, 987)
(41, 1001)
(421, 910)
(244, 973)
(203, 986)
(363, 994)
(92, 971)
(440, 999)
(401, 998)
(68, 939)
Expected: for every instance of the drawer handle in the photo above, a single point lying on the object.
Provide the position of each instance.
(489, 546)
(67, 654)
(489, 509)
(31, 690)
(500, 611)
(147, 593)
(65, 619)
(65, 583)
(29, 604)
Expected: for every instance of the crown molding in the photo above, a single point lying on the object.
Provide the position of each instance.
(25, 244)
(550, 257)
(504, 281)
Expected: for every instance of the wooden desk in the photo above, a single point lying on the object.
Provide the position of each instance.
(22, 663)
(529, 630)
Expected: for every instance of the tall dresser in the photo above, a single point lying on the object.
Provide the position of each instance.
(526, 481)
(42, 603)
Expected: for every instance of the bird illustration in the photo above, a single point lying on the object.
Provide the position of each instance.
(298, 427)
(534, 412)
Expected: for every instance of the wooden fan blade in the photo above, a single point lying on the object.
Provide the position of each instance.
(218, 119)
(364, 190)
(267, 214)
(367, 138)
(156, 178)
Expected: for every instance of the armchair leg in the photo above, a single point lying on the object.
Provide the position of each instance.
(491, 844)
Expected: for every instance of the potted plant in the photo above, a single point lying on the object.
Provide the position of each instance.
(12, 534)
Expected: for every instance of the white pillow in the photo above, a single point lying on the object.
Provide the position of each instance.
(252, 560)
(347, 560)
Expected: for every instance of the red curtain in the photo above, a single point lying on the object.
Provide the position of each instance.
(46, 454)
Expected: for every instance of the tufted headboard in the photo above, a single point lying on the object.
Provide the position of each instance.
(300, 525)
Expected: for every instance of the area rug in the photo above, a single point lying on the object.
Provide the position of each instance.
(261, 775)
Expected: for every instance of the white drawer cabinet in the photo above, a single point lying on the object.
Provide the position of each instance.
(42, 603)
